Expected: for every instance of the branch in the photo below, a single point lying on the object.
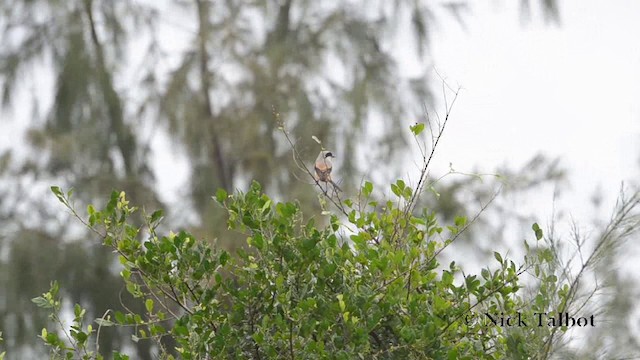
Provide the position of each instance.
(301, 165)
(436, 135)
(124, 138)
(203, 31)
(608, 238)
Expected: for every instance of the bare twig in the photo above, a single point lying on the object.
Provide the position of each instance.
(98, 331)
(610, 237)
(436, 135)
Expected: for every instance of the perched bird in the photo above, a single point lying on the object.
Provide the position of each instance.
(323, 167)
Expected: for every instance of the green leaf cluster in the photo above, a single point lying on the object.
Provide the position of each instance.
(369, 286)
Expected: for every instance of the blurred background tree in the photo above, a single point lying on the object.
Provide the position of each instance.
(330, 70)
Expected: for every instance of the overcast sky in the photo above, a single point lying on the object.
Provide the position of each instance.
(570, 91)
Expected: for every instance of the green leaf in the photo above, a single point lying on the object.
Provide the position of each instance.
(537, 231)
(447, 278)
(81, 337)
(181, 330)
(78, 310)
(367, 188)
(133, 289)
(460, 221)
(486, 274)
(266, 206)
(104, 322)
(56, 190)
(41, 302)
(439, 303)
(224, 258)
(407, 333)
(395, 190)
(417, 128)
(340, 298)
(148, 304)
(498, 257)
(157, 215)
(407, 193)
(59, 194)
(156, 330)
(120, 318)
(221, 195)
(453, 354)
(472, 283)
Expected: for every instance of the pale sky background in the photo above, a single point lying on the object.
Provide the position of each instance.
(571, 91)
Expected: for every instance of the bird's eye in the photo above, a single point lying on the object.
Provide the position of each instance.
(328, 155)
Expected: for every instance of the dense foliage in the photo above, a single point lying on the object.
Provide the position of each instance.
(368, 287)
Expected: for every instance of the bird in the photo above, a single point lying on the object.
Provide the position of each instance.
(323, 167)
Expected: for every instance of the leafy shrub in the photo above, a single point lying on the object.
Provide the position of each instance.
(371, 287)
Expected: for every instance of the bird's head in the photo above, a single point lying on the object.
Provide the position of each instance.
(327, 154)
